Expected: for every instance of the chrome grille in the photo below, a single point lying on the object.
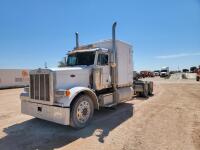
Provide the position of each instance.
(39, 87)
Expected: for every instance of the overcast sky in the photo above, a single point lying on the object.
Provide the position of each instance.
(162, 32)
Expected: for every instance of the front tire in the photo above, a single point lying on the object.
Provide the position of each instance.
(81, 112)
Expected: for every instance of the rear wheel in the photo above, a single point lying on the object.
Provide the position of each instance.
(150, 88)
(81, 112)
(145, 90)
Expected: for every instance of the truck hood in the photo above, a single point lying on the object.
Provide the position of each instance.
(68, 77)
(69, 68)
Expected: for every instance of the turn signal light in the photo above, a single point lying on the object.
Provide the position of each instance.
(67, 93)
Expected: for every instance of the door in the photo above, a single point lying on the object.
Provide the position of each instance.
(102, 62)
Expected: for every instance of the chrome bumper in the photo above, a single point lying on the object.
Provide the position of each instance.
(47, 112)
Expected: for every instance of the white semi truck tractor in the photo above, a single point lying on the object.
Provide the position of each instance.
(164, 72)
(96, 75)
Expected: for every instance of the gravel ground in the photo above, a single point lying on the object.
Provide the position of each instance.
(170, 120)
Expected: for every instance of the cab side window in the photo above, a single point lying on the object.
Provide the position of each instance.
(102, 59)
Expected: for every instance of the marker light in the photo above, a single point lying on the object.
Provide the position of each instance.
(67, 93)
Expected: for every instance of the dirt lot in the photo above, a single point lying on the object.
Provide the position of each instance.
(168, 120)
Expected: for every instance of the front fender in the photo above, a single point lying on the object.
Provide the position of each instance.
(67, 100)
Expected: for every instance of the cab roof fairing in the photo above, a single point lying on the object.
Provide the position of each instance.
(88, 50)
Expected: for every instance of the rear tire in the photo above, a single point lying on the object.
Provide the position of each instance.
(145, 92)
(150, 88)
(81, 112)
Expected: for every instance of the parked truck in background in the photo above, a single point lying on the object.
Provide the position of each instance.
(145, 74)
(193, 69)
(96, 75)
(185, 70)
(164, 72)
(157, 72)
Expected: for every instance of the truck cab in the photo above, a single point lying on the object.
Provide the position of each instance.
(79, 68)
(164, 72)
(70, 94)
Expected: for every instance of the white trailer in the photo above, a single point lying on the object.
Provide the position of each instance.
(14, 78)
(96, 75)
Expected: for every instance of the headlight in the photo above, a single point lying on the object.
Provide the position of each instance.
(63, 93)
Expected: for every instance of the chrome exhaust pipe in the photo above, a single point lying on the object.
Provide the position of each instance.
(114, 54)
(113, 41)
(114, 64)
(77, 40)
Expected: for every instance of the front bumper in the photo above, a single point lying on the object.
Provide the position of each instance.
(47, 112)
(163, 75)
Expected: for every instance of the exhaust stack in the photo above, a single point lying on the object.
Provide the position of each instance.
(77, 40)
(113, 42)
(114, 55)
(114, 64)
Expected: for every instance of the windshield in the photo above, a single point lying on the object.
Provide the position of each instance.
(163, 70)
(81, 58)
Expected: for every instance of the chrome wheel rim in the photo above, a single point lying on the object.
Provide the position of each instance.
(83, 111)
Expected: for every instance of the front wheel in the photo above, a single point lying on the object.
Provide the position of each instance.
(81, 112)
